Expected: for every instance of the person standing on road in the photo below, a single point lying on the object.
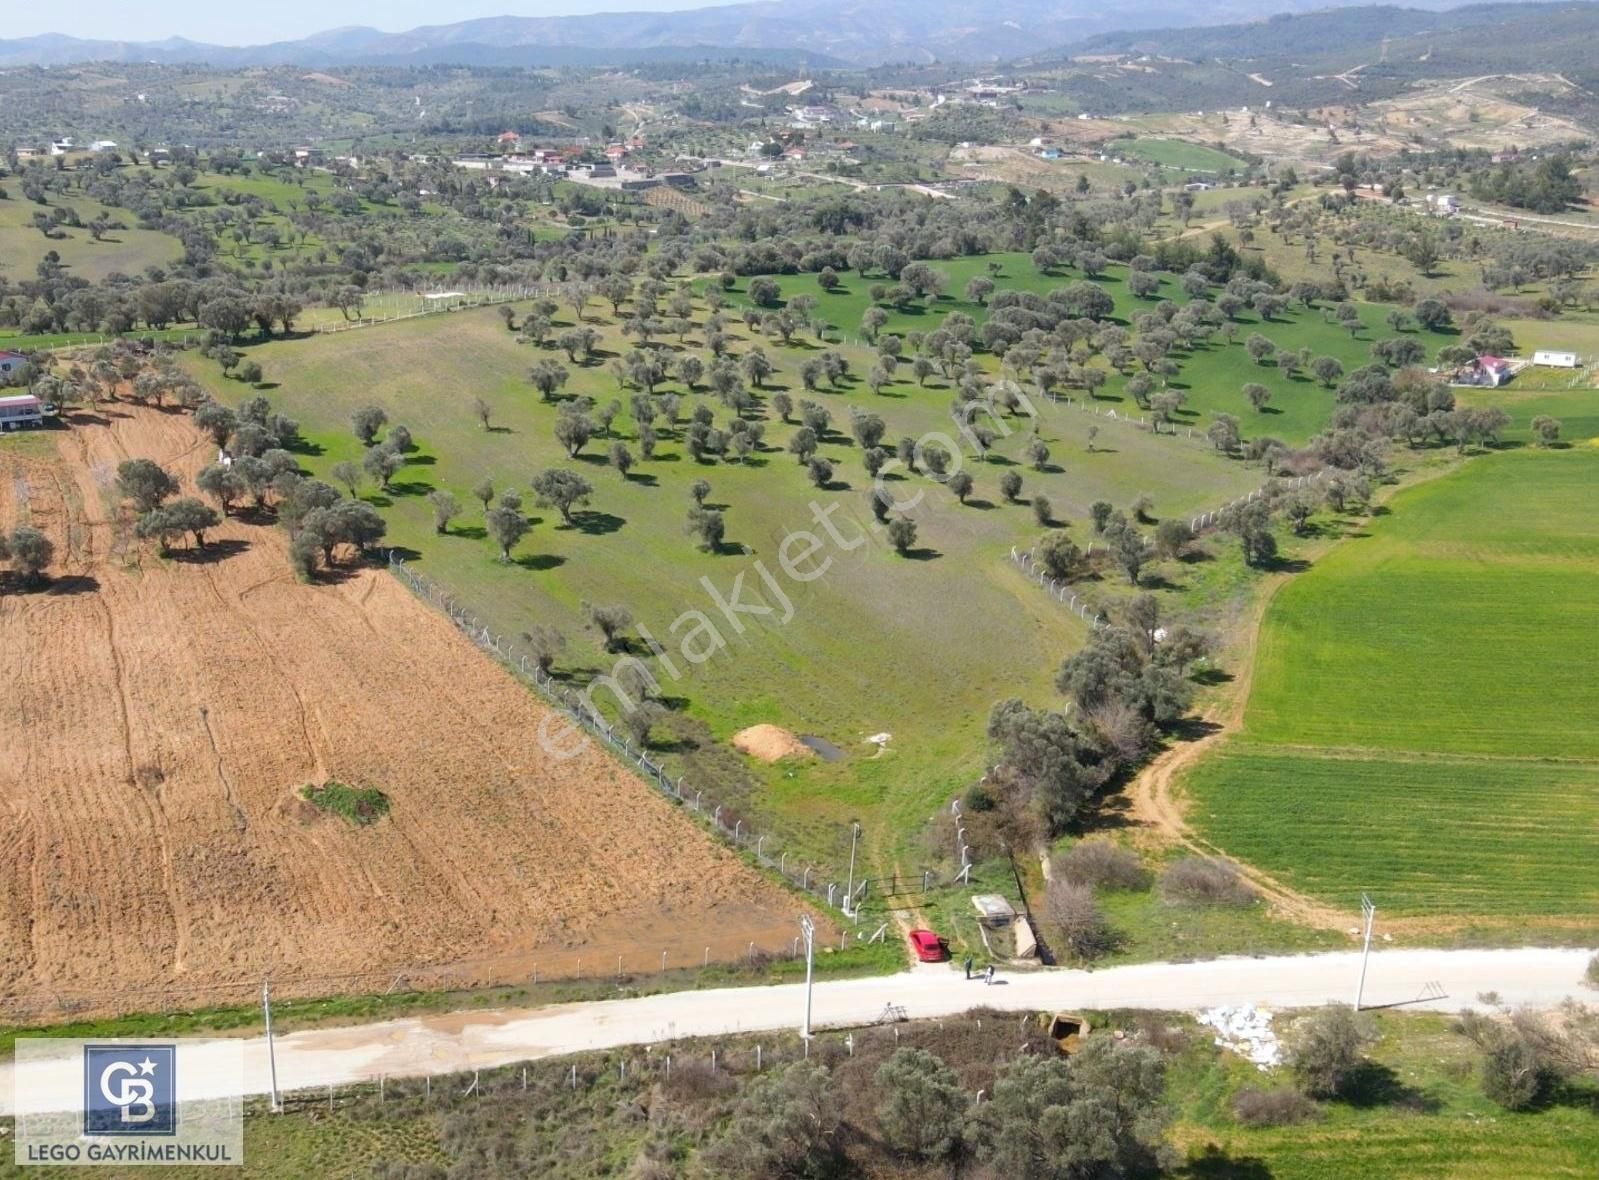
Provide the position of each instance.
(968, 967)
(988, 974)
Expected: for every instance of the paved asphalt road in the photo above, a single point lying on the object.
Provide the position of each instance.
(1438, 980)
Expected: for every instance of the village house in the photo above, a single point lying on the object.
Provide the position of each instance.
(13, 367)
(1490, 371)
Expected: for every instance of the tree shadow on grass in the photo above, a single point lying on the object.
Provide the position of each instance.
(1211, 676)
(1374, 1084)
(410, 487)
(596, 523)
(1285, 565)
(539, 561)
(921, 553)
(472, 532)
(1217, 1163)
(642, 478)
(1157, 581)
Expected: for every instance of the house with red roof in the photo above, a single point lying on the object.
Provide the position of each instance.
(13, 366)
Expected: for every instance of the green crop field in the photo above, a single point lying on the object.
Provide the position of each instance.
(1420, 718)
(1577, 410)
(1175, 153)
(1212, 376)
(920, 648)
(126, 251)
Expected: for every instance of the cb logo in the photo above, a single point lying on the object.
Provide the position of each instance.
(130, 1090)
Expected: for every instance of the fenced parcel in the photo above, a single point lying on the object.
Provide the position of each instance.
(1421, 719)
(165, 717)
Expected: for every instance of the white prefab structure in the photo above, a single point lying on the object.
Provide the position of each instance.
(993, 910)
(20, 409)
(1555, 360)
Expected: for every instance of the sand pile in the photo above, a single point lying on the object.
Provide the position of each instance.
(770, 743)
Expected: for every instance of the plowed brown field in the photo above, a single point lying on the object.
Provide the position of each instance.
(161, 716)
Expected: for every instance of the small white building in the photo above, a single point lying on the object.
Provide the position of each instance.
(20, 409)
(1554, 360)
(993, 910)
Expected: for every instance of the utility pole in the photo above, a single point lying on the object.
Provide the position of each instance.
(272, 1058)
(849, 890)
(1369, 912)
(808, 929)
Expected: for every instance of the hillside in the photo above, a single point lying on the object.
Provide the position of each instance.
(891, 31)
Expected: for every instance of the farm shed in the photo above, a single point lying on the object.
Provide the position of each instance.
(1555, 360)
(13, 365)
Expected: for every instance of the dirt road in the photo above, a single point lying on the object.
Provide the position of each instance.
(1436, 980)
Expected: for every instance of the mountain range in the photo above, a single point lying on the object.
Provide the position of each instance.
(821, 33)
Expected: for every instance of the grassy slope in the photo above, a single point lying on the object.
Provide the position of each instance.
(1212, 377)
(1176, 153)
(918, 648)
(127, 251)
(1442, 666)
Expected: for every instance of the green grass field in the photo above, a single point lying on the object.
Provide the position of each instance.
(918, 648)
(126, 251)
(1175, 153)
(1419, 723)
(1212, 377)
(1437, 1123)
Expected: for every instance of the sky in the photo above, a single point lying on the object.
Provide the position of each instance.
(282, 20)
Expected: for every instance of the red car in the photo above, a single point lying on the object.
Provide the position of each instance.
(928, 946)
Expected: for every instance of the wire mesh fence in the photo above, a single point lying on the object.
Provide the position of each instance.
(821, 884)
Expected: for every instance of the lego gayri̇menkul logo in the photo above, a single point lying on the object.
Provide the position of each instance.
(130, 1090)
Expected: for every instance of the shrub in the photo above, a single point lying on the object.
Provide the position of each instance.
(1102, 865)
(359, 805)
(922, 1106)
(1074, 912)
(1204, 880)
(1326, 1049)
(1273, 1108)
(1591, 976)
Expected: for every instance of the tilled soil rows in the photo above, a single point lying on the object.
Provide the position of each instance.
(161, 717)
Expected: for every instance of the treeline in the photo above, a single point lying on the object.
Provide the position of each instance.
(1546, 186)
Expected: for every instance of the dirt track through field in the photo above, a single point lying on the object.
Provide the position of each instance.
(162, 716)
(1153, 802)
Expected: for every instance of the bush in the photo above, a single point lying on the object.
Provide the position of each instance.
(1081, 925)
(1273, 1108)
(1591, 976)
(1326, 1049)
(359, 805)
(1204, 880)
(1523, 1057)
(923, 1105)
(1102, 865)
